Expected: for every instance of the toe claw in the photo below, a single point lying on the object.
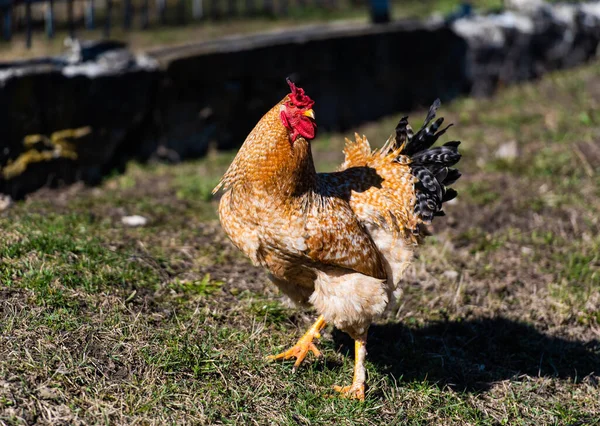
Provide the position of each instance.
(299, 351)
(304, 345)
(314, 350)
(355, 391)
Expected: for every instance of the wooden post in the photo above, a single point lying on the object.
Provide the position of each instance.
(50, 19)
(181, 12)
(161, 5)
(107, 21)
(214, 9)
(71, 18)
(231, 7)
(380, 11)
(145, 15)
(89, 14)
(127, 14)
(197, 9)
(268, 8)
(250, 8)
(28, 22)
(7, 11)
(283, 7)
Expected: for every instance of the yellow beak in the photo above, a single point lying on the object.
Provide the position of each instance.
(309, 113)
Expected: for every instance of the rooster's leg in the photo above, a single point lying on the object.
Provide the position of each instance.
(305, 344)
(357, 389)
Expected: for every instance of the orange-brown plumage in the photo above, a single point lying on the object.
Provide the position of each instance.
(339, 241)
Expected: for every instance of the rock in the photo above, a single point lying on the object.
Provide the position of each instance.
(522, 44)
(507, 151)
(48, 393)
(88, 50)
(451, 275)
(525, 6)
(526, 250)
(134, 221)
(5, 202)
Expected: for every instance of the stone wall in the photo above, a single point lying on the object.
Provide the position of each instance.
(520, 45)
(82, 115)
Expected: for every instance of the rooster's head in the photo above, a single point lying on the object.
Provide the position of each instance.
(297, 114)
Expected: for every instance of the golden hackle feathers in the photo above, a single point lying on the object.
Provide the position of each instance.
(391, 203)
(263, 152)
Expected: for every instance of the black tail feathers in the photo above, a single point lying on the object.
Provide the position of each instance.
(431, 166)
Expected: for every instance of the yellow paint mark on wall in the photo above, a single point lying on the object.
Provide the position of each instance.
(60, 147)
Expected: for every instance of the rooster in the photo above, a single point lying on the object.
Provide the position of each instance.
(338, 241)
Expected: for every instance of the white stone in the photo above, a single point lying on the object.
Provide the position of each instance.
(524, 6)
(5, 202)
(507, 151)
(134, 220)
(450, 274)
(526, 250)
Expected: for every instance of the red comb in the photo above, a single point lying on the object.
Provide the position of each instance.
(298, 97)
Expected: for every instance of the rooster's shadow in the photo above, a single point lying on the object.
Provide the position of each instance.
(470, 355)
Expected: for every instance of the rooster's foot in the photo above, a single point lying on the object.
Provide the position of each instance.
(304, 345)
(354, 391)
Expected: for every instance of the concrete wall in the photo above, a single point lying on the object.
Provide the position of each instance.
(172, 102)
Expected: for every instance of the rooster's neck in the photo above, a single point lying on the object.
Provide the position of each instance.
(300, 175)
(268, 162)
(286, 171)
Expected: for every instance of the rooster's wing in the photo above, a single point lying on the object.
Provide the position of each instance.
(323, 230)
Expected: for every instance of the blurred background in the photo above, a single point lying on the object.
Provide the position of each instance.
(41, 26)
(169, 79)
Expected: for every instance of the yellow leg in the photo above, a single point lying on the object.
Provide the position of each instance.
(357, 389)
(305, 344)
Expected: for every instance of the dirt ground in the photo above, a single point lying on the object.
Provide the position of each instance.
(499, 322)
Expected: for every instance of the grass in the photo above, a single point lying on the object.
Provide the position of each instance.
(168, 323)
